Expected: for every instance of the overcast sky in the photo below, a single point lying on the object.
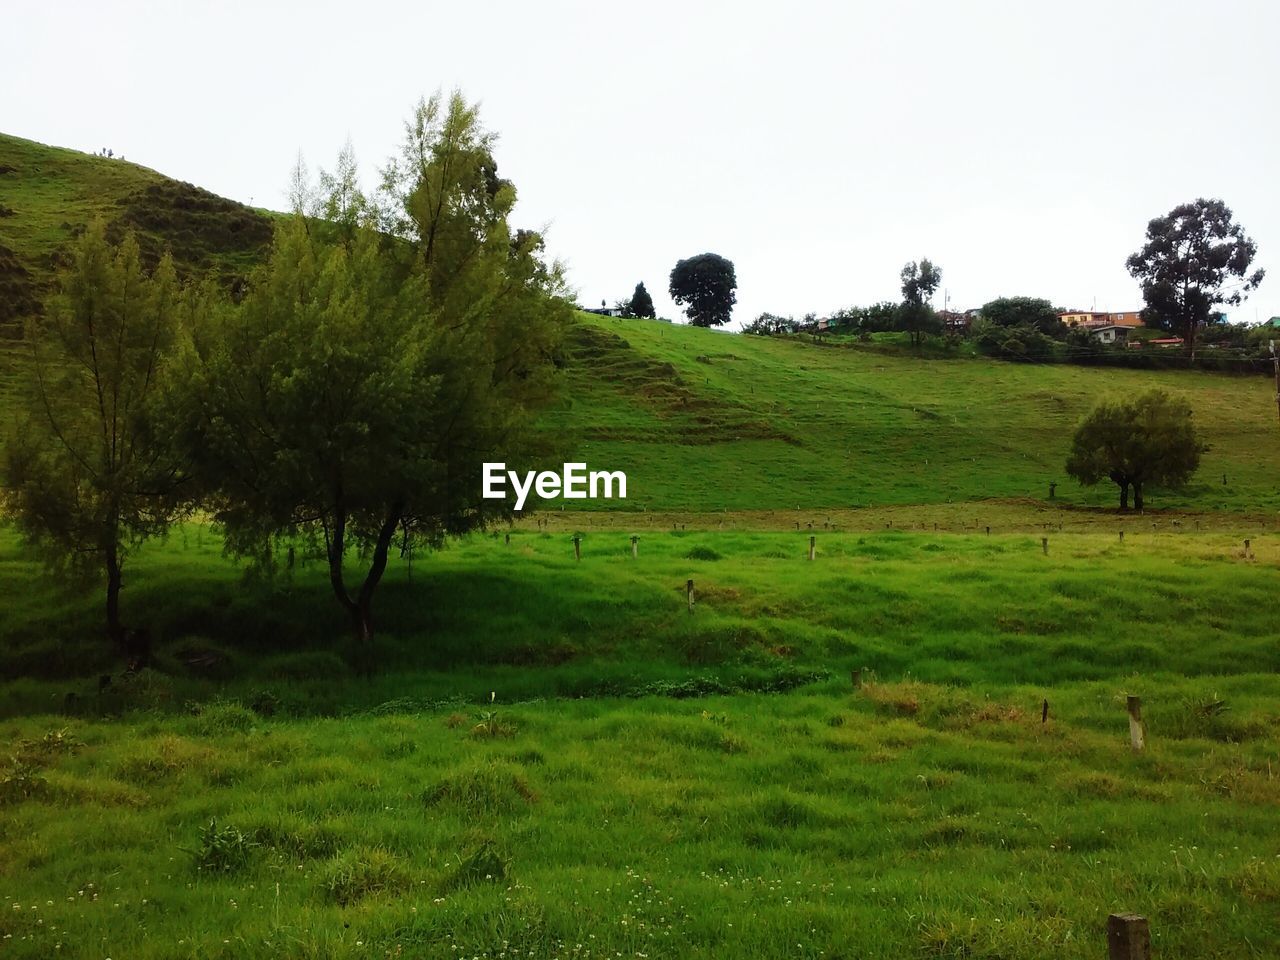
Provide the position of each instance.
(1022, 146)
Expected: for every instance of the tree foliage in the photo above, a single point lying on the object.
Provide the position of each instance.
(86, 476)
(1029, 312)
(1147, 440)
(1188, 264)
(641, 304)
(708, 285)
(375, 364)
(915, 315)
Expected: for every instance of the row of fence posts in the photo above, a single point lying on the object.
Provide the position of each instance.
(813, 546)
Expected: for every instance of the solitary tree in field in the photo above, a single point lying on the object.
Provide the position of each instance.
(85, 477)
(1147, 440)
(1195, 258)
(708, 285)
(641, 303)
(916, 315)
(355, 392)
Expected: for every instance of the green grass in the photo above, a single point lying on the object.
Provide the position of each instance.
(48, 194)
(703, 421)
(541, 757)
(901, 820)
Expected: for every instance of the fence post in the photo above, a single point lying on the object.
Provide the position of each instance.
(1122, 536)
(812, 540)
(1136, 739)
(688, 589)
(1128, 937)
(1044, 545)
(1246, 549)
(508, 539)
(635, 547)
(577, 548)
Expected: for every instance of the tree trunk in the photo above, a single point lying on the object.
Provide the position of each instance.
(360, 607)
(115, 629)
(1137, 497)
(1124, 496)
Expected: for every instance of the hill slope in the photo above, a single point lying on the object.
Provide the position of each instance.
(48, 194)
(702, 420)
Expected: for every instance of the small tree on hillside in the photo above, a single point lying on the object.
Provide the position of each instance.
(1133, 443)
(708, 285)
(1196, 258)
(85, 477)
(916, 316)
(641, 303)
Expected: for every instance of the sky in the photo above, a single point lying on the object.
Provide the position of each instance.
(819, 146)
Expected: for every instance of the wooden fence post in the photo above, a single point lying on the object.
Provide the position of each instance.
(988, 531)
(635, 547)
(1044, 545)
(856, 677)
(1128, 937)
(1136, 739)
(577, 548)
(1246, 549)
(1122, 536)
(508, 539)
(688, 589)
(1044, 712)
(812, 541)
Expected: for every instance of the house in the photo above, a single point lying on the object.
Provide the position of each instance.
(1100, 318)
(1128, 318)
(1109, 333)
(1084, 318)
(603, 310)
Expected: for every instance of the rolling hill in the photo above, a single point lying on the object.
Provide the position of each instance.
(702, 420)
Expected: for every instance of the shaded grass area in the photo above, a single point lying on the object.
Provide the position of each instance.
(903, 819)
(525, 619)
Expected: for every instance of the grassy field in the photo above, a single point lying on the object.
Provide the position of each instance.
(628, 792)
(704, 421)
(556, 758)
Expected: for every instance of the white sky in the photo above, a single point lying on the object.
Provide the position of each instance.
(1023, 146)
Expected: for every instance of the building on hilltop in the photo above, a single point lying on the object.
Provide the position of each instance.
(1101, 318)
(1109, 333)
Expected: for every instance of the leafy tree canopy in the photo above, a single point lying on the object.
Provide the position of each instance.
(708, 285)
(1195, 258)
(1146, 440)
(641, 304)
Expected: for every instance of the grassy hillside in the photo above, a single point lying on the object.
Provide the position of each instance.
(702, 420)
(48, 194)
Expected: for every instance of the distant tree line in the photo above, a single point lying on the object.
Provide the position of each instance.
(338, 407)
(1196, 259)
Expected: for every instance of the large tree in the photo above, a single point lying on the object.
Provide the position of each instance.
(916, 316)
(1195, 258)
(708, 285)
(85, 476)
(1147, 440)
(372, 368)
(641, 304)
(1030, 312)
